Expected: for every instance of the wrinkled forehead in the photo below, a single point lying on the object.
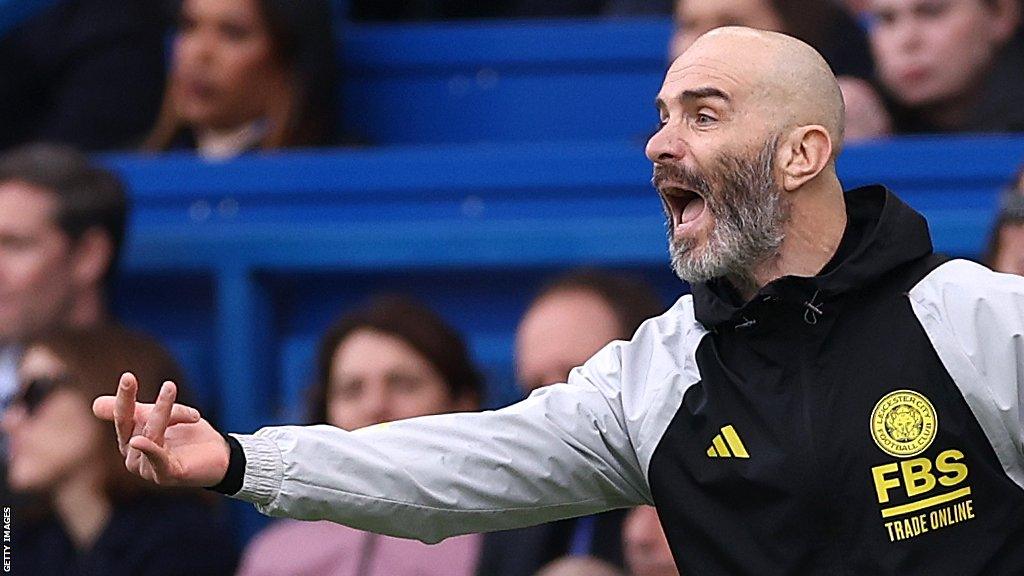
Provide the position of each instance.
(736, 75)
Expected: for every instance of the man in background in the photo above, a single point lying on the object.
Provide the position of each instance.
(647, 549)
(62, 223)
(1005, 251)
(568, 321)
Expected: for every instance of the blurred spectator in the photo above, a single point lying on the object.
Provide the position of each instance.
(389, 360)
(247, 75)
(570, 320)
(1006, 243)
(580, 566)
(88, 73)
(823, 24)
(647, 551)
(62, 222)
(102, 519)
(61, 226)
(951, 66)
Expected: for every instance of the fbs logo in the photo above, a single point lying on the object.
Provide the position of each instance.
(727, 445)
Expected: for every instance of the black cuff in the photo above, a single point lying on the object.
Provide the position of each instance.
(232, 481)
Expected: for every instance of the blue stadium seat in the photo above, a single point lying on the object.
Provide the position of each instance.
(503, 81)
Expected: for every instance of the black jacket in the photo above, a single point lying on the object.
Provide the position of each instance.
(802, 373)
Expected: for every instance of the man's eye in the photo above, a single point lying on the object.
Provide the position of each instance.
(882, 18)
(702, 118)
(16, 243)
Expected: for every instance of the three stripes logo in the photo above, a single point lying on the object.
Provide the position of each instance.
(727, 445)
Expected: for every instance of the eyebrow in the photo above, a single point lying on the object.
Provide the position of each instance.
(698, 94)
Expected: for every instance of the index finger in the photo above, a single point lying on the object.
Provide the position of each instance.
(124, 410)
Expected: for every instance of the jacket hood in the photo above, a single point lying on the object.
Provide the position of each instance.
(882, 234)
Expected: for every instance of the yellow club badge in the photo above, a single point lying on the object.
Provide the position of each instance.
(904, 423)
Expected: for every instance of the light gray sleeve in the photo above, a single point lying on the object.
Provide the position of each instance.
(564, 451)
(974, 319)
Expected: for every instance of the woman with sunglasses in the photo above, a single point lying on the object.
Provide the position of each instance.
(59, 451)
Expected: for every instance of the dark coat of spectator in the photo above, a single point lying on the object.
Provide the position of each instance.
(83, 72)
(158, 536)
(524, 551)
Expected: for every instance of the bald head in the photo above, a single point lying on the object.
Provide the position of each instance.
(785, 79)
(744, 160)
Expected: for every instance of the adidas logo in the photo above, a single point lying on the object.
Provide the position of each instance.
(727, 445)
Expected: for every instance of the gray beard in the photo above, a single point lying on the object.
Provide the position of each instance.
(749, 217)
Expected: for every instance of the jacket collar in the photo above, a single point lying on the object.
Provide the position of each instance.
(882, 234)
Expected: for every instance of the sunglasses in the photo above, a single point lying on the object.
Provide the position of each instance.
(35, 392)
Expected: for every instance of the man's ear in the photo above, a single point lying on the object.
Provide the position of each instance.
(92, 257)
(803, 155)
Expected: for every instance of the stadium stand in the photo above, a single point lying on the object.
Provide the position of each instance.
(506, 80)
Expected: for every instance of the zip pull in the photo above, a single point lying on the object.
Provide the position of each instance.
(747, 323)
(813, 310)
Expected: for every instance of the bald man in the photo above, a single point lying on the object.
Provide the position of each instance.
(833, 398)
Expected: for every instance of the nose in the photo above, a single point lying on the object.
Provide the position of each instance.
(376, 404)
(192, 48)
(907, 35)
(666, 145)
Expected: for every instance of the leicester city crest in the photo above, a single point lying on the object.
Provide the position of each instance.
(904, 423)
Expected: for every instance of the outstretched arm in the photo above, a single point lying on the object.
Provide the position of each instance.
(565, 451)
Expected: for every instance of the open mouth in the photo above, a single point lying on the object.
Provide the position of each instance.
(685, 206)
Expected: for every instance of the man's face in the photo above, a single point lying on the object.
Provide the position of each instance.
(714, 168)
(36, 285)
(560, 332)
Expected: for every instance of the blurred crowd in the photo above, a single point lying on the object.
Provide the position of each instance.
(244, 75)
(248, 75)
